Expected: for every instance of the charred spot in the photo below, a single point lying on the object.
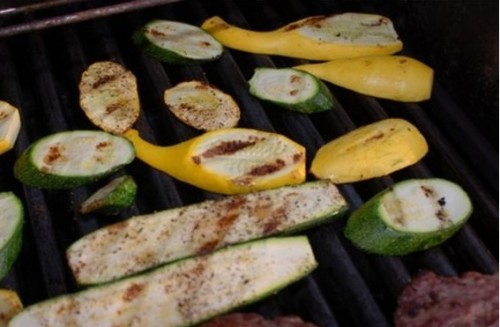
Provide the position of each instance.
(156, 32)
(113, 107)
(3, 115)
(295, 79)
(132, 292)
(53, 154)
(275, 221)
(196, 159)
(294, 92)
(297, 157)
(375, 137)
(102, 145)
(226, 148)
(205, 44)
(402, 61)
(442, 202)
(313, 21)
(103, 80)
(441, 215)
(267, 168)
(208, 246)
(428, 192)
(381, 21)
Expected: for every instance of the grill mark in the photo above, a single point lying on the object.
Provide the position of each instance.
(309, 21)
(104, 80)
(268, 168)
(53, 154)
(226, 148)
(132, 292)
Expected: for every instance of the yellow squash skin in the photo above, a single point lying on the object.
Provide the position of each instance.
(397, 78)
(200, 161)
(349, 36)
(370, 151)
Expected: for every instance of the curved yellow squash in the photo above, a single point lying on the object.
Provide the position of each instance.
(397, 78)
(228, 161)
(370, 151)
(316, 38)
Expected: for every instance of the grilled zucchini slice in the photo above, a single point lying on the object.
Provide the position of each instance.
(177, 43)
(74, 158)
(11, 229)
(412, 215)
(291, 89)
(146, 241)
(183, 293)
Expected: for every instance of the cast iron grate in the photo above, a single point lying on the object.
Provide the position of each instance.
(39, 73)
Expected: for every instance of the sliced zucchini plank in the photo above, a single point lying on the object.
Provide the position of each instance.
(10, 124)
(202, 106)
(117, 195)
(109, 96)
(183, 293)
(146, 241)
(345, 35)
(11, 230)
(292, 89)
(412, 215)
(177, 43)
(69, 159)
(370, 151)
(10, 305)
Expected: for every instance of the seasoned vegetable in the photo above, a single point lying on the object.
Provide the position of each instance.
(10, 124)
(117, 195)
(177, 43)
(410, 216)
(390, 77)
(316, 38)
(291, 89)
(374, 150)
(10, 305)
(69, 159)
(228, 161)
(202, 106)
(183, 293)
(109, 96)
(146, 241)
(11, 230)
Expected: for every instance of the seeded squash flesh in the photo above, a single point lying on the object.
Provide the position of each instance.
(316, 38)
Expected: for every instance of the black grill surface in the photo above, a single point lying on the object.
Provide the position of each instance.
(40, 72)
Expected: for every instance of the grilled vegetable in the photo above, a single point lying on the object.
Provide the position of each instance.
(228, 161)
(291, 89)
(69, 159)
(117, 195)
(177, 43)
(109, 96)
(374, 150)
(11, 230)
(390, 77)
(146, 241)
(183, 293)
(202, 106)
(10, 305)
(10, 124)
(315, 38)
(410, 216)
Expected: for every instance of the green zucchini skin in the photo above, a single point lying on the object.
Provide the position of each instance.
(146, 241)
(11, 246)
(322, 100)
(117, 195)
(183, 293)
(26, 171)
(368, 231)
(171, 56)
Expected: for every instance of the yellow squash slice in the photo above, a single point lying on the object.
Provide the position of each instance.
(316, 38)
(370, 151)
(10, 124)
(397, 78)
(228, 161)
(109, 96)
(10, 305)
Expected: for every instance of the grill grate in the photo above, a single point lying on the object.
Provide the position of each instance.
(40, 71)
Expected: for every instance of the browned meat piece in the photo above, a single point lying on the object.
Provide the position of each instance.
(255, 320)
(470, 300)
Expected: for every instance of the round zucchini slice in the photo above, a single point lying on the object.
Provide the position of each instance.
(291, 89)
(69, 159)
(410, 216)
(11, 226)
(177, 43)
